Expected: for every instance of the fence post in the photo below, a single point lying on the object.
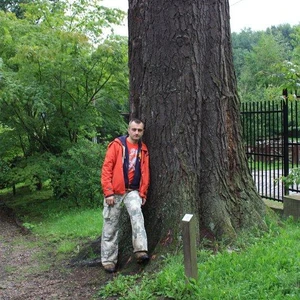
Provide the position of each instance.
(189, 246)
(285, 138)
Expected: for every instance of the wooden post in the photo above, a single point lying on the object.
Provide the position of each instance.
(189, 246)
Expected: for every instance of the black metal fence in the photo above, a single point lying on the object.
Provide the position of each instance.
(271, 132)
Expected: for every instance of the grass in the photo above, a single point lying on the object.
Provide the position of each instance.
(256, 164)
(60, 224)
(259, 265)
(68, 230)
(263, 266)
(76, 223)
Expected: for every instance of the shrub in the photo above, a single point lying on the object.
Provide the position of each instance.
(76, 174)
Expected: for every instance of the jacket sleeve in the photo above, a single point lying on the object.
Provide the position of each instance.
(145, 180)
(107, 170)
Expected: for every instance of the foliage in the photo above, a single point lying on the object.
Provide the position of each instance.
(51, 85)
(75, 174)
(62, 85)
(243, 44)
(292, 178)
(4, 170)
(261, 266)
(31, 171)
(259, 66)
(14, 6)
(266, 62)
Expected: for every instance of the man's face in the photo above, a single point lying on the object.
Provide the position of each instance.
(135, 131)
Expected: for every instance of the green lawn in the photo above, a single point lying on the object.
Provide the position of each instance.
(259, 265)
(57, 222)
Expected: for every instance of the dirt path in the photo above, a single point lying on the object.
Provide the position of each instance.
(27, 273)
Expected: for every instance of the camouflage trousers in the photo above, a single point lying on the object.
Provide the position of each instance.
(111, 214)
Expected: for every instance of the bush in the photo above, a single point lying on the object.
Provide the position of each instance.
(76, 174)
(292, 178)
(30, 171)
(4, 171)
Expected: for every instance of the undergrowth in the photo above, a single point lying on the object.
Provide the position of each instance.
(62, 225)
(258, 266)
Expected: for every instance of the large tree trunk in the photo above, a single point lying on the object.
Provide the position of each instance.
(182, 84)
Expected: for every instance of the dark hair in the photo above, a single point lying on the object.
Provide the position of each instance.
(135, 120)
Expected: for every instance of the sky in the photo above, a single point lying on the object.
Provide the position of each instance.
(254, 14)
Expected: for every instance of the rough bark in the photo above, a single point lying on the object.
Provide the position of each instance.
(182, 84)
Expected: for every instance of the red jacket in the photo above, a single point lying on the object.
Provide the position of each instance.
(112, 178)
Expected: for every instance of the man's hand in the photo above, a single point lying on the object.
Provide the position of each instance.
(143, 201)
(110, 201)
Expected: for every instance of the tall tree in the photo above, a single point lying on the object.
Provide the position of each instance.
(54, 80)
(61, 84)
(182, 83)
(242, 44)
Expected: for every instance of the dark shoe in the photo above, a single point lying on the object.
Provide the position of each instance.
(110, 268)
(141, 257)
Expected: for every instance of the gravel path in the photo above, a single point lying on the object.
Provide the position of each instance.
(26, 272)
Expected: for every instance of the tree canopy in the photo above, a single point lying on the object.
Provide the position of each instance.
(63, 83)
(266, 62)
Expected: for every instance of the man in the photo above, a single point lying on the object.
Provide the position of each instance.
(125, 179)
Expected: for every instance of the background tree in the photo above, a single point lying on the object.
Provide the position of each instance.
(182, 84)
(59, 80)
(14, 6)
(263, 61)
(260, 64)
(242, 44)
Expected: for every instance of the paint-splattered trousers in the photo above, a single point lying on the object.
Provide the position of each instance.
(111, 214)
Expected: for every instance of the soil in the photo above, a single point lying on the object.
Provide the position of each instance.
(26, 272)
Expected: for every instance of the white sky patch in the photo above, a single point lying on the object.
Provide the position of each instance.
(254, 14)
